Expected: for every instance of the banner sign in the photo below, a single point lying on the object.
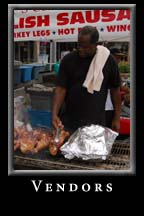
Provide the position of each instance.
(45, 25)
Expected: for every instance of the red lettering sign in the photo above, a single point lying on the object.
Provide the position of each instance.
(123, 14)
(77, 17)
(62, 19)
(33, 21)
(92, 17)
(108, 15)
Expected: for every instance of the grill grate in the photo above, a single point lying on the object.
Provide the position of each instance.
(119, 159)
(120, 149)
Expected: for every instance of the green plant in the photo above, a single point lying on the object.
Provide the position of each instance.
(124, 67)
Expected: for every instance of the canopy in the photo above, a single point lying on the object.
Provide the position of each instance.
(64, 25)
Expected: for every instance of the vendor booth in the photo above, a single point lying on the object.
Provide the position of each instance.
(54, 27)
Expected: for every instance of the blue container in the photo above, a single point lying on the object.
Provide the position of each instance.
(40, 118)
(37, 68)
(26, 73)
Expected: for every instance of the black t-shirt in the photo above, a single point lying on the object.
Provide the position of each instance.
(81, 107)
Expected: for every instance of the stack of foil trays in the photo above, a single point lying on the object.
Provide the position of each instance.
(90, 142)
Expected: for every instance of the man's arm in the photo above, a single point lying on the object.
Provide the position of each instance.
(58, 100)
(116, 100)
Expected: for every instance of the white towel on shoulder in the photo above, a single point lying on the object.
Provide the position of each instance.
(94, 76)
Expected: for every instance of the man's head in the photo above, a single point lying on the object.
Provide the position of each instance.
(87, 41)
(116, 53)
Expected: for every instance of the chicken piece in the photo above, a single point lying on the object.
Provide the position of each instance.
(27, 145)
(54, 147)
(21, 130)
(42, 144)
(37, 133)
(63, 136)
(25, 135)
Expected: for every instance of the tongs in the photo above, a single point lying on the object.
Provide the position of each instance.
(58, 130)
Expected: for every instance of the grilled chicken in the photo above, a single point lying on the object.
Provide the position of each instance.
(54, 147)
(37, 140)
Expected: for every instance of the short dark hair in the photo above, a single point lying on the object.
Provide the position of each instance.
(92, 31)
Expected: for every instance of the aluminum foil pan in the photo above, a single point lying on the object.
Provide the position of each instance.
(90, 142)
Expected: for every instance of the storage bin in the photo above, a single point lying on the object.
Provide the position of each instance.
(41, 100)
(40, 118)
(26, 73)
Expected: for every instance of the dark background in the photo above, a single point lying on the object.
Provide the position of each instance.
(122, 185)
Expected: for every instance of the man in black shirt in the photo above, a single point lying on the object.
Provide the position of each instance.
(81, 107)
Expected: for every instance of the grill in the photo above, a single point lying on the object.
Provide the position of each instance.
(119, 159)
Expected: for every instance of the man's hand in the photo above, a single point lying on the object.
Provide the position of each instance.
(57, 122)
(116, 125)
